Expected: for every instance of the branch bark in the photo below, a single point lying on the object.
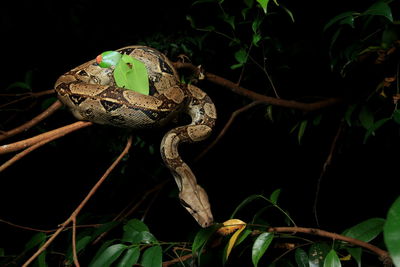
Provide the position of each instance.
(24, 127)
(383, 255)
(44, 136)
(237, 89)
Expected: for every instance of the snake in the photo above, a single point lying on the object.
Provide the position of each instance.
(91, 94)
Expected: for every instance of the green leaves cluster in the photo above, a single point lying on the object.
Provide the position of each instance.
(245, 28)
(306, 253)
(137, 245)
(367, 33)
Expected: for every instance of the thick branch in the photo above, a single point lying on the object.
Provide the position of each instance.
(44, 136)
(259, 97)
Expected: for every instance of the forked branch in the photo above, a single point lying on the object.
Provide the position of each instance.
(74, 214)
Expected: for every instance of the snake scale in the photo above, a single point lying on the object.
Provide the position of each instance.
(91, 94)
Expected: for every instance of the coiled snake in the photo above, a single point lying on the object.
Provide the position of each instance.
(91, 94)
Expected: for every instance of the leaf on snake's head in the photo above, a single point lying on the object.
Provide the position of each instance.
(108, 59)
(130, 73)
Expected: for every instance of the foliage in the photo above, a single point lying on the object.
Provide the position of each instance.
(355, 39)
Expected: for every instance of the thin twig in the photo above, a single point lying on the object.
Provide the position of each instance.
(25, 96)
(327, 163)
(74, 253)
(27, 228)
(24, 127)
(226, 127)
(128, 210)
(81, 205)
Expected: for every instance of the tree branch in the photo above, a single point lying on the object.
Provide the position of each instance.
(24, 127)
(75, 213)
(256, 96)
(44, 136)
(383, 255)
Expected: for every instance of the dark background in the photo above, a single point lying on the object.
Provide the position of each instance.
(256, 156)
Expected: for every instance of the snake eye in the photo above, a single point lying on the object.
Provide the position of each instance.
(83, 73)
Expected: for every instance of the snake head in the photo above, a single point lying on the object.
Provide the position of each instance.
(196, 203)
(108, 59)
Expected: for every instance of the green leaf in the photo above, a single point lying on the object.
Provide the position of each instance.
(130, 73)
(130, 257)
(100, 251)
(301, 258)
(202, 1)
(229, 19)
(152, 257)
(288, 12)
(105, 227)
(81, 243)
(356, 254)
(274, 196)
(255, 26)
(302, 129)
(36, 240)
(263, 4)
(136, 225)
(317, 253)
(109, 255)
(256, 38)
(241, 56)
(366, 230)
(332, 259)
(243, 236)
(260, 246)
(342, 18)
(244, 203)
(135, 231)
(249, 3)
(375, 126)
(396, 116)
(349, 111)
(391, 232)
(380, 8)
(202, 237)
(236, 66)
(366, 117)
(41, 259)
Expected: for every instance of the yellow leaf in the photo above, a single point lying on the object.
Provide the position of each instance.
(232, 241)
(231, 226)
(346, 258)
